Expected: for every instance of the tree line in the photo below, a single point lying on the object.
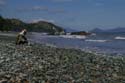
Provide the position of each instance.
(41, 26)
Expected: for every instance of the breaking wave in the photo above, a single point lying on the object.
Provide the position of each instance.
(120, 38)
(91, 40)
(73, 36)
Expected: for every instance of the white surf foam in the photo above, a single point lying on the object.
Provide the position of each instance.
(91, 40)
(8, 34)
(73, 36)
(120, 38)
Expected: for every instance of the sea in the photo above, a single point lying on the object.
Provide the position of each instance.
(106, 43)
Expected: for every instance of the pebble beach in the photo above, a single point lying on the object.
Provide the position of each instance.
(38, 63)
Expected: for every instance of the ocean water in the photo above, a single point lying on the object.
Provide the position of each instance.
(108, 43)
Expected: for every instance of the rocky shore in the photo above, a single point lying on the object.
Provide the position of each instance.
(38, 63)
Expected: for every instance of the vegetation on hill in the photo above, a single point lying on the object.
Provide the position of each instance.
(41, 26)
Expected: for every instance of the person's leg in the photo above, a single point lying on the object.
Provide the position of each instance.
(20, 40)
(25, 39)
(17, 39)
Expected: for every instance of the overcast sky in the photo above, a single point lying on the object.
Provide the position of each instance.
(75, 14)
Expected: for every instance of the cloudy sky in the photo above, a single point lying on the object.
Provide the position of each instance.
(75, 14)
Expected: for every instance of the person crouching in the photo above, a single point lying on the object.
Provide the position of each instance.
(21, 37)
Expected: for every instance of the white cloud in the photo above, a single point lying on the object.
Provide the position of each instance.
(34, 8)
(62, 0)
(99, 4)
(41, 8)
(2, 2)
(57, 11)
(96, 2)
(59, 0)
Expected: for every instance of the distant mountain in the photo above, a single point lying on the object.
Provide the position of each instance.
(41, 26)
(70, 30)
(115, 30)
(118, 29)
(97, 30)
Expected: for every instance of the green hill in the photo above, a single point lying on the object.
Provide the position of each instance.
(41, 26)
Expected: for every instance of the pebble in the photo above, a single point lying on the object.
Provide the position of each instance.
(45, 64)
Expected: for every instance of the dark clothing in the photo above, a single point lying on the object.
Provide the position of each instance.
(21, 39)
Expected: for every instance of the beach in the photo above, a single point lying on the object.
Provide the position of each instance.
(39, 63)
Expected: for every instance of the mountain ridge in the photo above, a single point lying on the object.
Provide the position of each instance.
(13, 24)
(113, 30)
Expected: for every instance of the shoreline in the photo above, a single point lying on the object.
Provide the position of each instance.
(46, 64)
(31, 36)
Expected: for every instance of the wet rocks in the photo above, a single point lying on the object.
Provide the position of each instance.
(44, 64)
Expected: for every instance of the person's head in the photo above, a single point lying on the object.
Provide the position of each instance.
(23, 32)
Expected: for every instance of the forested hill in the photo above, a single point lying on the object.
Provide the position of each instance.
(41, 26)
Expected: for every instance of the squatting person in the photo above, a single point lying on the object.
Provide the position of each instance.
(21, 37)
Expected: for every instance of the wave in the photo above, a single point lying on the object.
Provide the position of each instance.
(73, 36)
(8, 34)
(91, 40)
(93, 34)
(120, 38)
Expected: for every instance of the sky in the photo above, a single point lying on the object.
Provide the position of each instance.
(74, 14)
